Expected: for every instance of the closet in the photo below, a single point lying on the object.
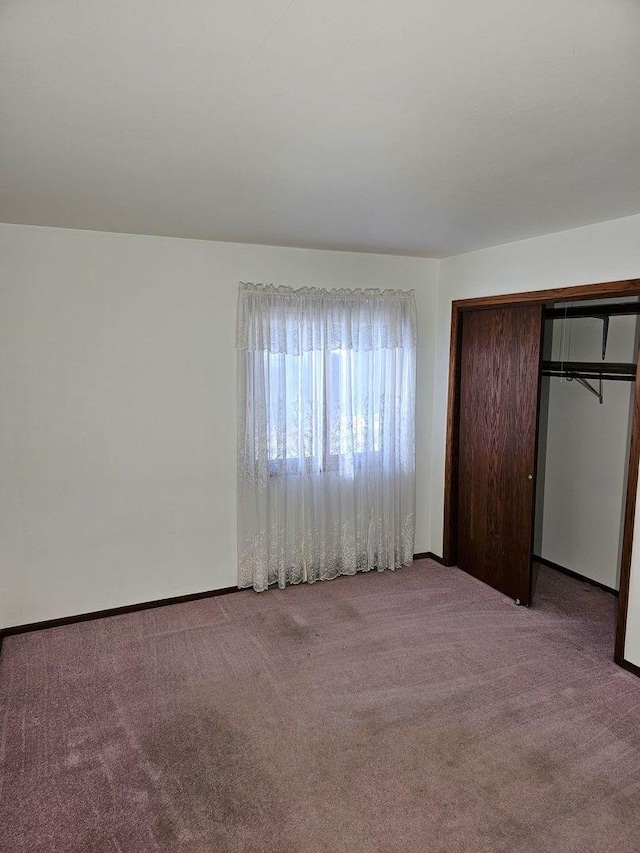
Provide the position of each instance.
(543, 437)
(588, 372)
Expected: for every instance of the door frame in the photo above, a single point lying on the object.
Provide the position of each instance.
(611, 289)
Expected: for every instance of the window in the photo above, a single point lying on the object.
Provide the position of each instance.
(326, 417)
(323, 411)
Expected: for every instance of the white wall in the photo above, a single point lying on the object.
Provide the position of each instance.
(586, 454)
(117, 409)
(604, 252)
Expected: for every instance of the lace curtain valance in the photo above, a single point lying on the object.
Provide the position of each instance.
(281, 319)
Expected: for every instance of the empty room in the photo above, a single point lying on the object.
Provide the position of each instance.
(319, 426)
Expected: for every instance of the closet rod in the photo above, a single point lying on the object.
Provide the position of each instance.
(583, 370)
(574, 374)
(622, 370)
(573, 311)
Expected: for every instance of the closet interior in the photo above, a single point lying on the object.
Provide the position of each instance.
(588, 373)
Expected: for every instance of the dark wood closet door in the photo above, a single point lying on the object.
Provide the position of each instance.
(499, 392)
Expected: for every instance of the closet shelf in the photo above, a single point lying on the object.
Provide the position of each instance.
(590, 370)
(598, 311)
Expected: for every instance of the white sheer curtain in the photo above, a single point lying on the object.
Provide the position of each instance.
(326, 441)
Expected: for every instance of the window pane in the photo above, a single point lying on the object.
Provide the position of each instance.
(354, 402)
(296, 405)
(325, 405)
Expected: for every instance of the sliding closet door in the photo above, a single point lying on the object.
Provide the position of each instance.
(499, 391)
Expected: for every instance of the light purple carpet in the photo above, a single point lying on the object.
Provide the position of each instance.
(409, 711)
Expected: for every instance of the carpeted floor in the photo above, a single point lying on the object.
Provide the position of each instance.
(409, 711)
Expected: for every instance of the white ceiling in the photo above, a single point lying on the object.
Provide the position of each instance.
(425, 127)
